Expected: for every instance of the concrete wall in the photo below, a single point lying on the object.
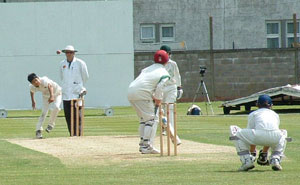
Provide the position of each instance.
(237, 73)
(240, 21)
(32, 32)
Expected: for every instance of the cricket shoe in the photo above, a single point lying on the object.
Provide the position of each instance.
(150, 150)
(142, 147)
(178, 143)
(246, 167)
(275, 163)
(49, 128)
(38, 134)
(247, 164)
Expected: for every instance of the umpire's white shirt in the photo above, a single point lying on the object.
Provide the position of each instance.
(73, 77)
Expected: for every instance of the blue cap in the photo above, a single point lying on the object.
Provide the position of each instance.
(264, 99)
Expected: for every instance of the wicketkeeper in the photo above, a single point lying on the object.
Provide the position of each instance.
(148, 86)
(51, 100)
(172, 90)
(263, 130)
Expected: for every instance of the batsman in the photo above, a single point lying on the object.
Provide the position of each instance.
(145, 93)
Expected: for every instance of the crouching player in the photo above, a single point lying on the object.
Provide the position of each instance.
(263, 130)
(51, 99)
(145, 93)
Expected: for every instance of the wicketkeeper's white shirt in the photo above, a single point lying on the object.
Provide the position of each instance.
(149, 83)
(73, 77)
(44, 87)
(263, 119)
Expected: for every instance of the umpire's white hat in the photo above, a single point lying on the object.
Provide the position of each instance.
(69, 48)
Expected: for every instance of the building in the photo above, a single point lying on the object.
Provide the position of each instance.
(237, 24)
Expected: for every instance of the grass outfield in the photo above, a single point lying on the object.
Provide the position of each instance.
(19, 165)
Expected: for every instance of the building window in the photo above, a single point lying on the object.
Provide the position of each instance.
(167, 32)
(273, 34)
(148, 33)
(290, 33)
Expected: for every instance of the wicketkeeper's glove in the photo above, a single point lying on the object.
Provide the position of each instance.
(263, 159)
(253, 156)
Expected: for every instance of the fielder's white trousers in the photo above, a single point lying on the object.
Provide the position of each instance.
(169, 96)
(276, 139)
(55, 108)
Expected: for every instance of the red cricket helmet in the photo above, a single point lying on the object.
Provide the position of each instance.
(161, 57)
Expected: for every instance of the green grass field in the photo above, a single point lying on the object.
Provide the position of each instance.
(20, 165)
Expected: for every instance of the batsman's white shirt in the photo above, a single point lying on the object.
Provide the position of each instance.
(149, 83)
(73, 78)
(44, 87)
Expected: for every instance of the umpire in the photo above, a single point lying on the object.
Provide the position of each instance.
(74, 75)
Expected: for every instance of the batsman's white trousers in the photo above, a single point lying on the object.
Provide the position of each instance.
(148, 119)
(55, 108)
(276, 139)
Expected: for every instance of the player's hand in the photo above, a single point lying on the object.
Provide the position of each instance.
(51, 99)
(33, 105)
(179, 93)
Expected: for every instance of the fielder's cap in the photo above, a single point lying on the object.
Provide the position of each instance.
(31, 76)
(69, 48)
(161, 57)
(264, 99)
(166, 48)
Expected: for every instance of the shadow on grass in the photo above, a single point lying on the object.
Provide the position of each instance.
(60, 116)
(250, 171)
(279, 111)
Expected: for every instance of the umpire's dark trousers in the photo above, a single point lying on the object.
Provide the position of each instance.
(67, 111)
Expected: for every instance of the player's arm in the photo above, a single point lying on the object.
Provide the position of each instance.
(61, 72)
(158, 93)
(50, 88)
(84, 73)
(251, 122)
(32, 100)
(177, 76)
(178, 82)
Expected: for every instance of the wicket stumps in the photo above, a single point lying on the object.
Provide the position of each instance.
(167, 105)
(79, 127)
